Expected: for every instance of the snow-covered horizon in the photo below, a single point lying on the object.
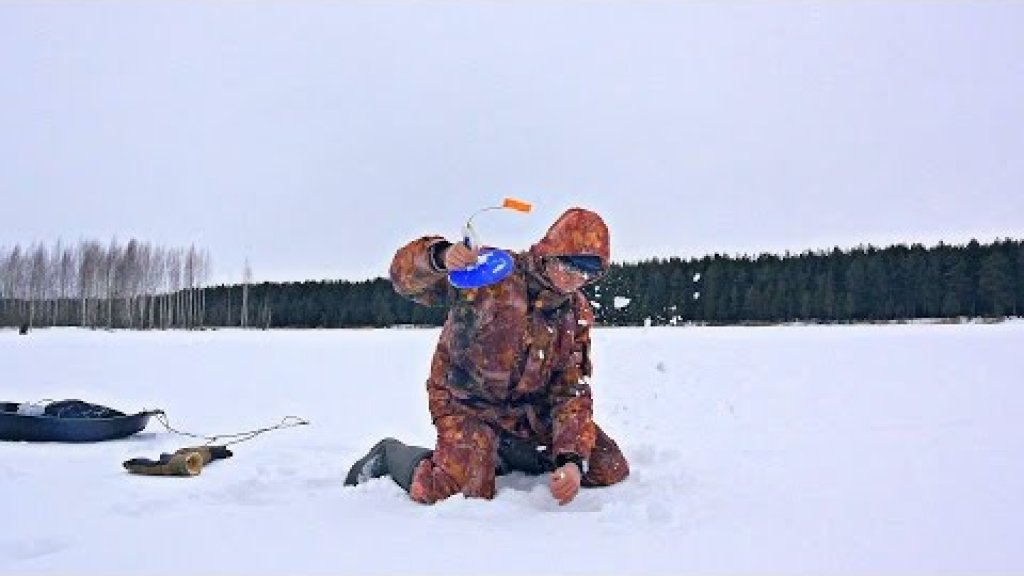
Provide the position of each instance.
(787, 449)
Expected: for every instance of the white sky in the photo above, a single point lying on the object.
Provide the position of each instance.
(316, 137)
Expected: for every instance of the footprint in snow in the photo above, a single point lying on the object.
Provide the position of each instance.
(31, 548)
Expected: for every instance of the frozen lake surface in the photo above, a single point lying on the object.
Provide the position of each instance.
(810, 449)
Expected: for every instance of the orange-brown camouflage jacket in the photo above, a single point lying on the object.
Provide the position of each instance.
(515, 354)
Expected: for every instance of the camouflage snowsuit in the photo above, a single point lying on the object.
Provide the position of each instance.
(512, 362)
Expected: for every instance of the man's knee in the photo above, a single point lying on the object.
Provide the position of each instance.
(431, 483)
(463, 461)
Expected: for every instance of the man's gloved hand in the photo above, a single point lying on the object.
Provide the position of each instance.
(183, 462)
(459, 256)
(565, 482)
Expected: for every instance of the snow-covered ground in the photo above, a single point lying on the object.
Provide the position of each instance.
(854, 449)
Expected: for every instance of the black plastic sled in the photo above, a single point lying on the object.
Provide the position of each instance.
(68, 421)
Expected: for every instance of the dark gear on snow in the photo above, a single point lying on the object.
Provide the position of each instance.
(390, 457)
(80, 409)
(184, 462)
(387, 457)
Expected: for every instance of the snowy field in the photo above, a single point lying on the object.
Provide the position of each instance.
(832, 450)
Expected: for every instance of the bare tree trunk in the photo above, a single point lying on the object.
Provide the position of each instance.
(174, 287)
(67, 264)
(266, 310)
(246, 281)
(3, 285)
(205, 271)
(36, 282)
(18, 274)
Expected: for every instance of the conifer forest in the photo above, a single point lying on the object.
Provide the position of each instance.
(140, 286)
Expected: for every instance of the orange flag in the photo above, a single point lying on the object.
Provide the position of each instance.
(518, 205)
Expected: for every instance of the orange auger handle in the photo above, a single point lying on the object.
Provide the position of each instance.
(469, 237)
(517, 205)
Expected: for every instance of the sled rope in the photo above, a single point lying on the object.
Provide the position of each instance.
(286, 422)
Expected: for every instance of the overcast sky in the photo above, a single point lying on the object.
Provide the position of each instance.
(315, 138)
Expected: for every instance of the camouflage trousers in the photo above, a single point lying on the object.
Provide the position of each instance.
(469, 455)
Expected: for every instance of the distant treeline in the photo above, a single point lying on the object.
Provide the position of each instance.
(865, 284)
(115, 285)
(323, 304)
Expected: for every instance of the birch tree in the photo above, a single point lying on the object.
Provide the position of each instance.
(37, 281)
(173, 267)
(246, 281)
(65, 279)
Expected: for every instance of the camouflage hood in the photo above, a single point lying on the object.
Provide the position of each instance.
(576, 232)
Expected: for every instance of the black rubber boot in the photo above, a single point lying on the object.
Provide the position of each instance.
(388, 457)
